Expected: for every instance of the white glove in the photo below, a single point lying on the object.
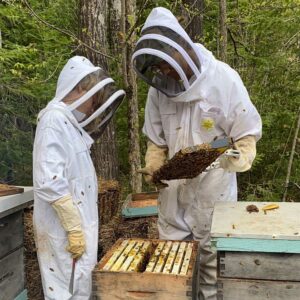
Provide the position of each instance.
(239, 159)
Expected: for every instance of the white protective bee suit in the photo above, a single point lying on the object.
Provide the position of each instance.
(62, 166)
(213, 102)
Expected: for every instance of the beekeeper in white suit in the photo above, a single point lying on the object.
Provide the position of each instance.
(193, 98)
(65, 183)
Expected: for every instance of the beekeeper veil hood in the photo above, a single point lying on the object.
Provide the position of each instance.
(90, 94)
(165, 57)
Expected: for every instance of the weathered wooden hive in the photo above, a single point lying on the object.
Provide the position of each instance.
(149, 269)
(258, 250)
(13, 243)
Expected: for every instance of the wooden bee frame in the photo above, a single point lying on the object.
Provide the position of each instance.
(188, 163)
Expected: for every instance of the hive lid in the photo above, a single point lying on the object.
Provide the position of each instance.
(232, 220)
(13, 203)
(6, 190)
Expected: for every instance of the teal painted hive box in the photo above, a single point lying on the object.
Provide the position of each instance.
(140, 205)
(258, 252)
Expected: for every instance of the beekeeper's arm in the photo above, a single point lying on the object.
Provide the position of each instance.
(71, 222)
(51, 185)
(244, 125)
(157, 150)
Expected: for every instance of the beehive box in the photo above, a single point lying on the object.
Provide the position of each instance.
(140, 205)
(12, 242)
(146, 269)
(258, 253)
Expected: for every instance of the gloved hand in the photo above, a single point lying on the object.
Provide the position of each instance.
(217, 163)
(76, 244)
(247, 149)
(147, 172)
(70, 220)
(155, 158)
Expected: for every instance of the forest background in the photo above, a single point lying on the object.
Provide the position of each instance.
(260, 39)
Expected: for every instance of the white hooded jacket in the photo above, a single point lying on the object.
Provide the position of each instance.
(201, 105)
(62, 165)
(215, 105)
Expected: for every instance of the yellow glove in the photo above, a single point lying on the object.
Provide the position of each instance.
(71, 222)
(76, 244)
(247, 148)
(155, 158)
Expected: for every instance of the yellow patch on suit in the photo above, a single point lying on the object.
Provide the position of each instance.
(207, 124)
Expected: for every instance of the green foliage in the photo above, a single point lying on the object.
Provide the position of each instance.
(31, 56)
(263, 46)
(266, 54)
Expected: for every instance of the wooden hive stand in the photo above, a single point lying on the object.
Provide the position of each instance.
(146, 269)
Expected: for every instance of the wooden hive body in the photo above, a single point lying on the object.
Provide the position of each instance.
(146, 269)
(258, 253)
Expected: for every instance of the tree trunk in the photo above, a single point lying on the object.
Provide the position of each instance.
(93, 28)
(128, 11)
(114, 28)
(287, 181)
(222, 29)
(195, 23)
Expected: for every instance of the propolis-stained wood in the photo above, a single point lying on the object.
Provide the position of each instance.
(146, 269)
